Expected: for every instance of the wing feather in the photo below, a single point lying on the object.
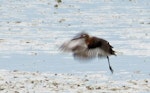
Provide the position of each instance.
(90, 54)
(73, 46)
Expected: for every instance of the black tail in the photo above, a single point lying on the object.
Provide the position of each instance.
(111, 51)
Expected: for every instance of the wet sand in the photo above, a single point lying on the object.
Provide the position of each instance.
(36, 82)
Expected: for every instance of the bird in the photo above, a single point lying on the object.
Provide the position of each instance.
(85, 46)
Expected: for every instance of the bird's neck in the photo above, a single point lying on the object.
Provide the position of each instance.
(88, 40)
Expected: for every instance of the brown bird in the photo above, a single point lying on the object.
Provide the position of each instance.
(84, 46)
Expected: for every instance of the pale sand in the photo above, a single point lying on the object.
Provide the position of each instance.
(35, 82)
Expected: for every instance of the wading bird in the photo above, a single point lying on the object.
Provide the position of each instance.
(84, 46)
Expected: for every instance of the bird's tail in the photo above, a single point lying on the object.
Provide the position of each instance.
(112, 52)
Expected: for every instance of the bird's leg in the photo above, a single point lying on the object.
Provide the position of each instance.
(110, 66)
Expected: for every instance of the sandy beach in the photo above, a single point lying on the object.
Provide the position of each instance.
(36, 82)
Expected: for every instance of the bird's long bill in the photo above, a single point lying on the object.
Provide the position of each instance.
(77, 37)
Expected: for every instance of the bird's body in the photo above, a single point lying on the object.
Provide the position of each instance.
(84, 46)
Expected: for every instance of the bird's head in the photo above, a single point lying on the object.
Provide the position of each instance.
(82, 35)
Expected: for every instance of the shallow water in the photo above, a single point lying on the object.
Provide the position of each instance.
(32, 31)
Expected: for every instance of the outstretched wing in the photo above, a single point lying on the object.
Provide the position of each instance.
(73, 46)
(96, 47)
(90, 54)
(105, 49)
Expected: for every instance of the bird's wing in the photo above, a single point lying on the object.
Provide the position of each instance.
(90, 54)
(96, 48)
(84, 55)
(73, 45)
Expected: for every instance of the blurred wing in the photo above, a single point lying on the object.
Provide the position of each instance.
(89, 54)
(73, 46)
(82, 55)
